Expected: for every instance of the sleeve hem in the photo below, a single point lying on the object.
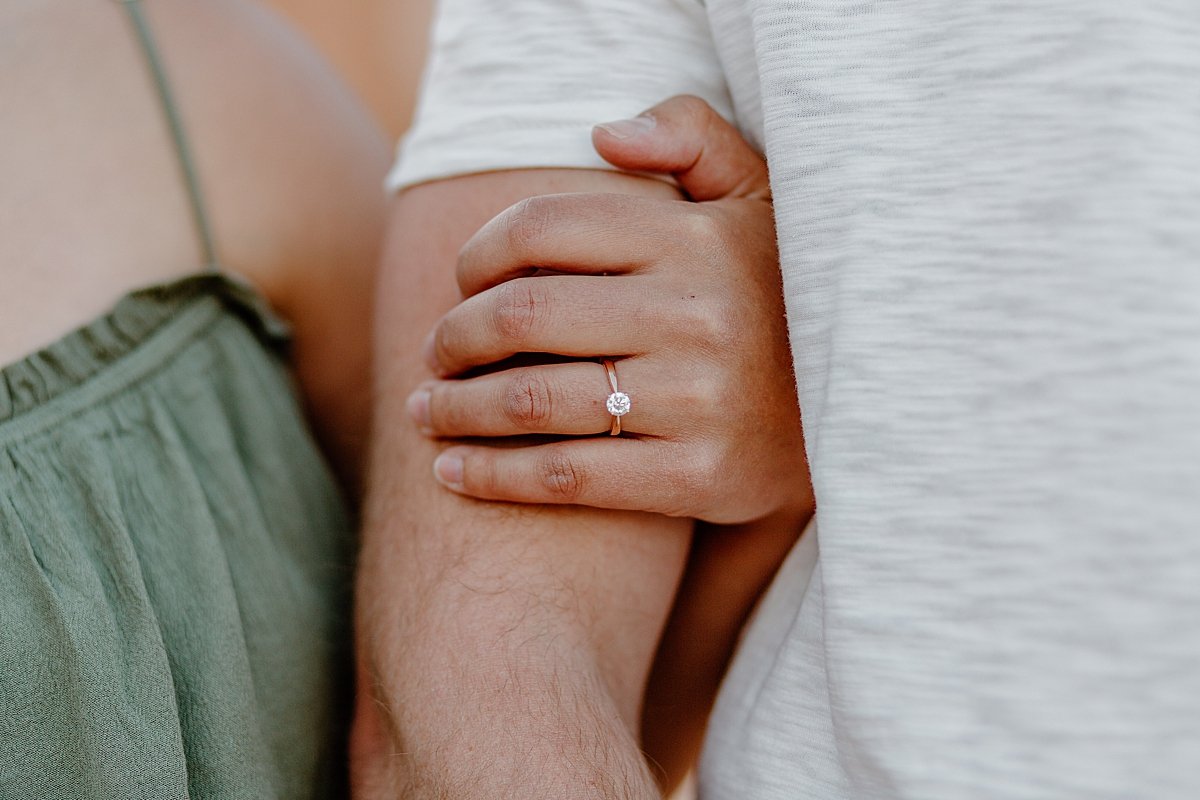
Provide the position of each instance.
(447, 156)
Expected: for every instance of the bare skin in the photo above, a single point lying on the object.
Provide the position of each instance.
(479, 605)
(690, 305)
(499, 646)
(92, 205)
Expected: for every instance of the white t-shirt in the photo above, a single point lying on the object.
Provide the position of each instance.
(989, 225)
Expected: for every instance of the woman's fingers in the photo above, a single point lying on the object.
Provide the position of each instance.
(576, 233)
(583, 317)
(630, 474)
(566, 399)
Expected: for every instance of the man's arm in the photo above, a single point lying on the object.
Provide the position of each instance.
(503, 649)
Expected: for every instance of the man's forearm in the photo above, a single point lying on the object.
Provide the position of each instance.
(507, 647)
(493, 690)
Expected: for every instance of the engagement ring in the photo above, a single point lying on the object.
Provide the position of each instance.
(618, 403)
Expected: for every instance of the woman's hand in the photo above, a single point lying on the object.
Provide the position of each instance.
(683, 296)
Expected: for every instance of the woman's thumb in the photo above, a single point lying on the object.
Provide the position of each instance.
(686, 138)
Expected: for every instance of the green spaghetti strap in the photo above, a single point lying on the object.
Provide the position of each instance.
(171, 111)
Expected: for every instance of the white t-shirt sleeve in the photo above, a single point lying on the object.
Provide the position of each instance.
(519, 83)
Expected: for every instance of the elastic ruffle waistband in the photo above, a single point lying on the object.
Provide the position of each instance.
(84, 354)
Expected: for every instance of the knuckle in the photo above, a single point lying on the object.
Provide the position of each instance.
(713, 322)
(518, 307)
(527, 224)
(561, 478)
(694, 104)
(526, 400)
(689, 107)
(705, 233)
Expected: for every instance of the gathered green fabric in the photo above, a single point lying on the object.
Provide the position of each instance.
(175, 562)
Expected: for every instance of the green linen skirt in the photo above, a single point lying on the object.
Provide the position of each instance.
(174, 562)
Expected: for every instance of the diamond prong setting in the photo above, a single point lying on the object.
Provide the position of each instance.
(618, 404)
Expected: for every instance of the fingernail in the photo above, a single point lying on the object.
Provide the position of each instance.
(448, 469)
(628, 128)
(429, 353)
(418, 409)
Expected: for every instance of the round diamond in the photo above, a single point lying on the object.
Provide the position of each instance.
(618, 404)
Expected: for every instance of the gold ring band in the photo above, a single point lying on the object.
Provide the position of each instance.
(618, 403)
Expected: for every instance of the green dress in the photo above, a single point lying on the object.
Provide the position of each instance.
(175, 558)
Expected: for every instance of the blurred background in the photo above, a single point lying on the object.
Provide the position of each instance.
(377, 45)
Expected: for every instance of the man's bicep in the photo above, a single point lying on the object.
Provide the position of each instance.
(510, 615)
(578, 546)
(517, 84)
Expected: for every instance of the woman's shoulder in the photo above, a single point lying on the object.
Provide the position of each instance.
(291, 160)
(93, 202)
